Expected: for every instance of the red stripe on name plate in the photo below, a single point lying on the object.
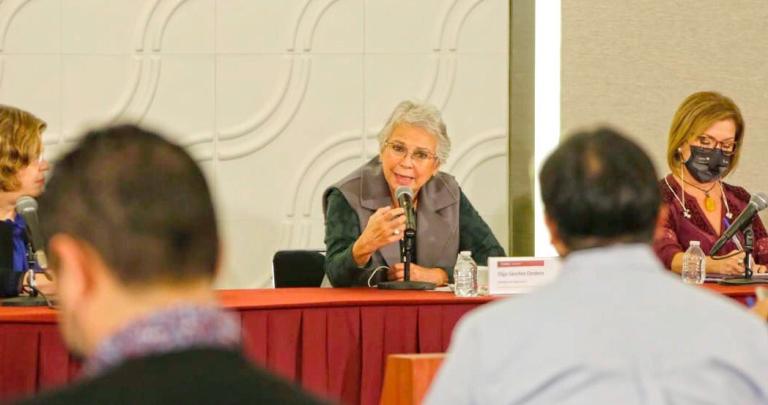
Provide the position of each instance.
(530, 263)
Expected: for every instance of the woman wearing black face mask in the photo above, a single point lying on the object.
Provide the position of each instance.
(704, 144)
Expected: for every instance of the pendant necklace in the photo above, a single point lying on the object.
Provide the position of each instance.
(681, 199)
(686, 211)
(709, 202)
(728, 213)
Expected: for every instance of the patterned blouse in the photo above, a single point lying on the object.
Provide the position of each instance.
(677, 231)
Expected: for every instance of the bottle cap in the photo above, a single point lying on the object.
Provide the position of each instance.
(466, 253)
(695, 243)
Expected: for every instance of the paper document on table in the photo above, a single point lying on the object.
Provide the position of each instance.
(719, 277)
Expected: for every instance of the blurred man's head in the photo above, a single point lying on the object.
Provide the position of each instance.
(599, 188)
(130, 227)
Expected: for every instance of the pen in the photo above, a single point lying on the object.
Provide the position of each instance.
(735, 239)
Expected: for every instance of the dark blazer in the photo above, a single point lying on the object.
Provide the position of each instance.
(9, 280)
(199, 376)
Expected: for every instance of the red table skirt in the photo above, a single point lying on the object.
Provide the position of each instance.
(333, 342)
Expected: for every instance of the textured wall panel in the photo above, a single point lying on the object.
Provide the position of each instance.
(276, 99)
(632, 63)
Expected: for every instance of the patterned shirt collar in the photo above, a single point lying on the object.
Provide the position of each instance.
(166, 331)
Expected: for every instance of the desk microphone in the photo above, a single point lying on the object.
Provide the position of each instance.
(404, 196)
(27, 207)
(758, 202)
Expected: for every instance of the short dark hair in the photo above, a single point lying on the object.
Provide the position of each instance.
(140, 201)
(600, 188)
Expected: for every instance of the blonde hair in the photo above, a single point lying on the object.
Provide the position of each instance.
(20, 143)
(698, 112)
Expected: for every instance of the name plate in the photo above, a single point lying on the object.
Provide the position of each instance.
(519, 275)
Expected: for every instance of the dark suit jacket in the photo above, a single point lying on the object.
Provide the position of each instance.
(199, 376)
(9, 280)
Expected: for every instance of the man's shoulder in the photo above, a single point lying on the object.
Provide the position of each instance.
(519, 310)
(191, 376)
(576, 298)
(722, 309)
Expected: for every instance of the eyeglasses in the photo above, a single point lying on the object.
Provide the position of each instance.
(419, 155)
(706, 141)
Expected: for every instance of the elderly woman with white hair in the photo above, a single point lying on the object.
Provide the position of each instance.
(364, 222)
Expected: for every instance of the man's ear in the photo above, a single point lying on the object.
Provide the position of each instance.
(74, 268)
(554, 236)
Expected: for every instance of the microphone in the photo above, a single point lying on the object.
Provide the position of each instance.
(758, 202)
(404, 196)
(27, 207)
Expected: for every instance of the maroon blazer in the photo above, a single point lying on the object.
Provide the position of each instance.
(677, 231)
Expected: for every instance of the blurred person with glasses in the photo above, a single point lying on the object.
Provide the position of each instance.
(364, 222)
(705, 141)
(22, 173)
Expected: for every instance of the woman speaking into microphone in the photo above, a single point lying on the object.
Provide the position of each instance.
(364, 222)
(22, 173)
(705, 140)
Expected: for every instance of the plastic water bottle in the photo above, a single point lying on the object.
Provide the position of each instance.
(465, 275)
(693, 264)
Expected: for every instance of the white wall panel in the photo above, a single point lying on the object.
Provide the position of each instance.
(186, 26)
(184, 97)
(632, 63)
(276, 99)
(88, 27)
(33, 81)
(30, 26)
(92, 89)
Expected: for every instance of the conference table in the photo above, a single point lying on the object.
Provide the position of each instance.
(333, 342)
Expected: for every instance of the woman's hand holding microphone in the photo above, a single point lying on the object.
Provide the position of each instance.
(385, 226)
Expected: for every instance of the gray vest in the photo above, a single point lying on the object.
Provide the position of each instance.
(437, 215)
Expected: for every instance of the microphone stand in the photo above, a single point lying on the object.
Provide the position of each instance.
(749, 241)
(35, 297)
(407, 254)
(409, 241)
